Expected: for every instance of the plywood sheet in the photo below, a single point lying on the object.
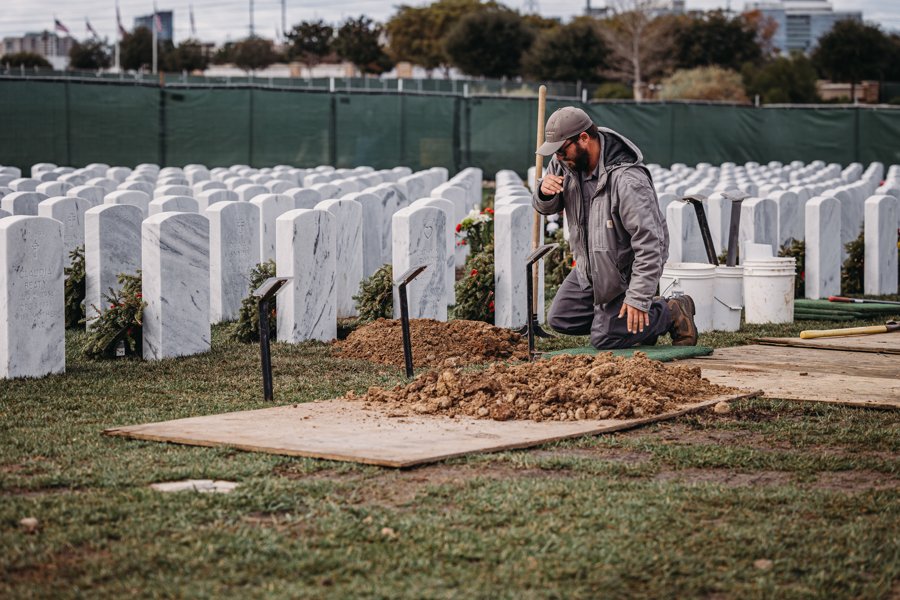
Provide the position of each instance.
(873, 392)
(792, 373)
(805, 360)
(879, 342)
(348, 431)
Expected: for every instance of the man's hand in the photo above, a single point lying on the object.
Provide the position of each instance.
(637, 319)
(551, 185)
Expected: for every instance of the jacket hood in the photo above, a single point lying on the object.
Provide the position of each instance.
(618, 150)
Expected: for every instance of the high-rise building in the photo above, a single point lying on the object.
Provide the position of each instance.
(165, 19)
(800, 22)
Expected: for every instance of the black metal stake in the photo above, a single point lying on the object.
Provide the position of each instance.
(404, 281)
(734, 227)
(266, 293)
(697, 202)
(532, 324)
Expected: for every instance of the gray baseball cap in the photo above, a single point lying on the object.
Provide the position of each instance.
(564, 123)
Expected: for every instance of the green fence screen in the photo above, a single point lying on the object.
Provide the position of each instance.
(75, 123)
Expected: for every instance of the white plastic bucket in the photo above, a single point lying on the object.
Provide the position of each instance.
(728, 298)
(696, 280)
(769, 290)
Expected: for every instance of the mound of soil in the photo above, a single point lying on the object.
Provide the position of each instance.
(434, 343)
(562, 388)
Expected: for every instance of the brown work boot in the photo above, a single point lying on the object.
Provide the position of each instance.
(683, 330)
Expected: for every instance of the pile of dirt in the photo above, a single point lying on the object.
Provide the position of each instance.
(562, 388)
(434, 343)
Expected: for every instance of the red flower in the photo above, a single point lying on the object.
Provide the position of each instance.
(463, 242)
(488, 211)
(139, 295)
(112, 305)
(491, 306)
(458, 227)
(473, 273)
(573, 263)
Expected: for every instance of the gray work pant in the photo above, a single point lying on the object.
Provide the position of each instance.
(573, 312)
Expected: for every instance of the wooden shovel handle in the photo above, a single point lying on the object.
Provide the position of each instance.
(808, 335)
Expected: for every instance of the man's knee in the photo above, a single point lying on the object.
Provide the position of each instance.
(562, 322)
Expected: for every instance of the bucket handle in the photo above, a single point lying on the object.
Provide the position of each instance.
(728, 306)
(674, 281)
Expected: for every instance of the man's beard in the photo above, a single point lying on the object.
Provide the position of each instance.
(582, 160)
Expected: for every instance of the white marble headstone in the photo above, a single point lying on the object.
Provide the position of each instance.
(249, 191)
(70, 212)
(419, 239)
(790, 216)
(112, 246)
(207, 198)
(52, 189)
(348, 251)
(307, 306)
(447, 207)
(172, 204)
(134, 198)
(685, 241)
(175, 268)
(32, 304)
(372, 235)
(270, 207)
(172, 190)
(233, 254)
(91, 193)
(512, 245)
(22, 203)
(304, 197)
(880, 276)
(759, 223)
(823, 247)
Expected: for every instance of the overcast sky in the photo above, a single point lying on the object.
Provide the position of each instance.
(221, 20)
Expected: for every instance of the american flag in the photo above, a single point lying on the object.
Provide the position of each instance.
(157, 22)
(90, 29)
(122, 31)
(193, 25)
(60, 27)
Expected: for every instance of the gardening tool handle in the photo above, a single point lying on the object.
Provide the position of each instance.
(843, 299)
(810, 334)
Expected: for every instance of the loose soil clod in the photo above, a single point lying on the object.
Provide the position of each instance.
(434, 343)
(562, 388)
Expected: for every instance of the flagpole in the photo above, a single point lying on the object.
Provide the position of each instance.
(153, 29)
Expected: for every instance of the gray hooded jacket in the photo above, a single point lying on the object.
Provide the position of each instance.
(626, 242)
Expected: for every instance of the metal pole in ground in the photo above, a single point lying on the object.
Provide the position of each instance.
(266, 293)
(529, 292)
(402, 282)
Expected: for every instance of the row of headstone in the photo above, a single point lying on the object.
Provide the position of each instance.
(226, 244)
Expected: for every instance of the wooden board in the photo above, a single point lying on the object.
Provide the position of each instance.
(805, 360)
(888, 343)
(348, 431)
(873, 392)
(791, 373)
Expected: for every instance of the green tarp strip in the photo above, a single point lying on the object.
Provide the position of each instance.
(75, 123)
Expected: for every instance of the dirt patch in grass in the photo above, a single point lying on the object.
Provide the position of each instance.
(855, 481)
(434, 343)
(683, 435)
(65, 565)
(562, 388)
(618, 455)
(398, 488)
(725, 477)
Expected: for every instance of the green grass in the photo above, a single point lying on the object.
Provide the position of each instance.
(679, 509)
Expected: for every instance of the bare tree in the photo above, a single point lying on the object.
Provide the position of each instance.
(639, 40)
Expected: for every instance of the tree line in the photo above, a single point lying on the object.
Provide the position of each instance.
(634, 49)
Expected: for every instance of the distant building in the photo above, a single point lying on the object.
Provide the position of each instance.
(801, 22)
(664, 7)
(165, 18)
(46, 43)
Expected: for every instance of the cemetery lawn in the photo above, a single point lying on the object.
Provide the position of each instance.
(775, 499)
